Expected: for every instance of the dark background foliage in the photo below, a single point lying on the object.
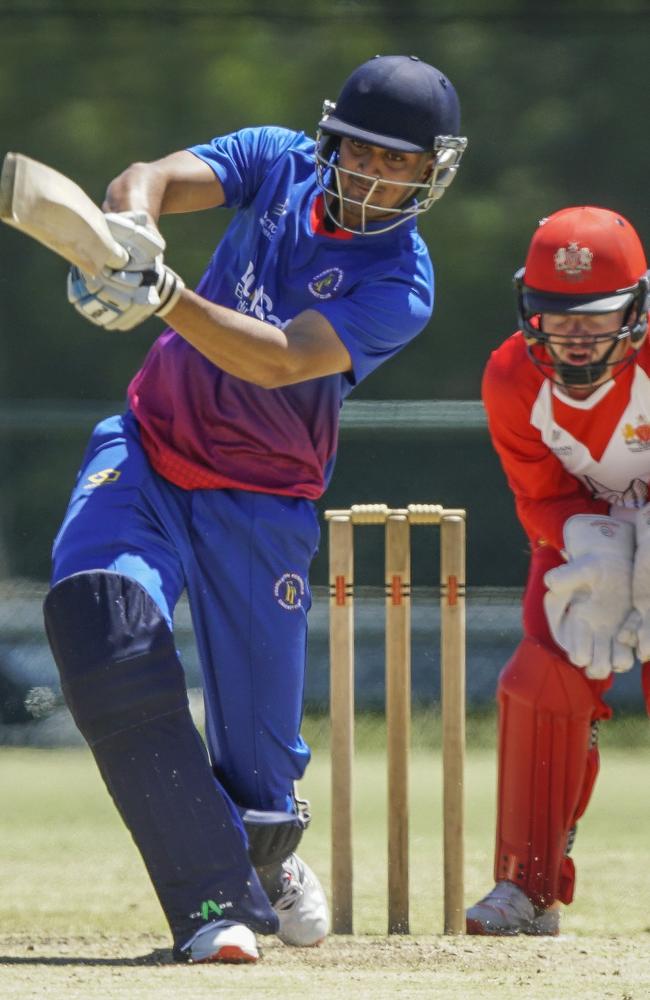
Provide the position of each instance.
(554, 100)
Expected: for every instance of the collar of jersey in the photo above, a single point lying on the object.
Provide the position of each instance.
(590, 401)
(317, 221)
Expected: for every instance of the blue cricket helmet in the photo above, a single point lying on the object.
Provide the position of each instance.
(402, 104)
(398, 102)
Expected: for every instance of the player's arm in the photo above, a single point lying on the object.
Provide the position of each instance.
(240, 344)
(180, 182)
(121, 299)
(588, 600)
(545, 493)
(258, 351)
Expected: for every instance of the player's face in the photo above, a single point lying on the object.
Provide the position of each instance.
(583, 340)
(374, 180)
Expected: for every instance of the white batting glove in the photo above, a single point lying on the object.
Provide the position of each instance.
(636, 629)
(133, 231)
(590, 597)
(145, 286)
(122, 300)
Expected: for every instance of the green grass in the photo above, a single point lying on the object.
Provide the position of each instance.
(625, 731)
(69, 864)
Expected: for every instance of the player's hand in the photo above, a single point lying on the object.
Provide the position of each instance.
(636, 629)
(589, 599)
(120, 300)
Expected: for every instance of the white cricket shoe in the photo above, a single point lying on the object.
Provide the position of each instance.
(302, 906)
(221, 941)
(507, 910)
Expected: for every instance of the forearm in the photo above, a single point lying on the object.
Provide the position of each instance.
(543, 519)
(179, 182)
(255, 350)
(240, 344)
(546, 494)
(139, 188)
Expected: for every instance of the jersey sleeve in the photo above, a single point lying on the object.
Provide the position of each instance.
(242, 160)
(545, 493)
(379, 317)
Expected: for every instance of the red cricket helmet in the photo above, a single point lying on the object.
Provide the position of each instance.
(584, 260)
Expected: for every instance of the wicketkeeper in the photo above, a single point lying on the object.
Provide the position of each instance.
(568, 405)
(207, 483)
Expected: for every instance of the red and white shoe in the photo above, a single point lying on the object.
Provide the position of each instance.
(221, 941)
(507, 911)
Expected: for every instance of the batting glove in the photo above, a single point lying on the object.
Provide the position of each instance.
(589, 599)
(145, 286)
(139, 237)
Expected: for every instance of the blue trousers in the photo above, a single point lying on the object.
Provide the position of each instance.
(243, 558)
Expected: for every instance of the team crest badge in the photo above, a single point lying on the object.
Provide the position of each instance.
(573, 261)
(326, 284)
(289, 591)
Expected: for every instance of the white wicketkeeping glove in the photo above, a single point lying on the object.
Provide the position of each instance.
(120, 300)
(590, 597)
(636, 629)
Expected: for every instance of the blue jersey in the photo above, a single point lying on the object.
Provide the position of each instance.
(204, 428)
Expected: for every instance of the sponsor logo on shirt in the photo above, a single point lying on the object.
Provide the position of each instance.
(637, 438)
(269, 227)
(289, 591)
(325, 284)
(96, 479)
(252, 299)
(561, 450)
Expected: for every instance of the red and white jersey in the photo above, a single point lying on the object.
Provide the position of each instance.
(566, 456)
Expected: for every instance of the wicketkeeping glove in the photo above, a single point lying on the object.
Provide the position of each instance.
(120, 300)
(636, 629)
(589, 599)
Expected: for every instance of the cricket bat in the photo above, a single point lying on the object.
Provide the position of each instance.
(51, 208)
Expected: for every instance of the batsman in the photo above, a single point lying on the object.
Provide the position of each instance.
(568, 405)
(207, 483)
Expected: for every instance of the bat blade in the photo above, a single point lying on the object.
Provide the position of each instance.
(51, 208)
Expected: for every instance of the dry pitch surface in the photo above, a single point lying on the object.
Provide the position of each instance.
(78, 918)
(365, 967)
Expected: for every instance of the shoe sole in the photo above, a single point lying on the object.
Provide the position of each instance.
(229, 954)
